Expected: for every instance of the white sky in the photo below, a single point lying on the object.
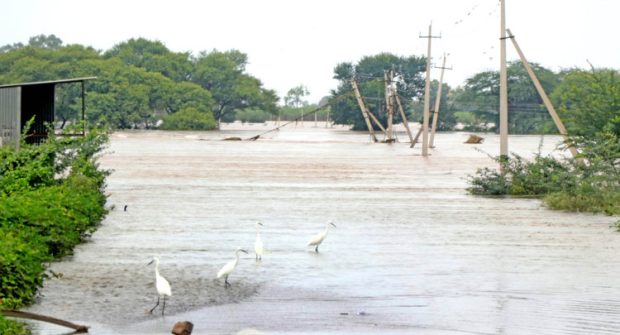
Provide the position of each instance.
(292, 43)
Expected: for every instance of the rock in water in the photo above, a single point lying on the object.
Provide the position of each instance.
(182, 328)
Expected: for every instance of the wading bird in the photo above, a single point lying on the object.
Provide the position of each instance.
(162, 285)
(318, 239)
(258, 245)
(229, 267)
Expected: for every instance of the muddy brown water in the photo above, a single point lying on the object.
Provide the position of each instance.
(412, 253)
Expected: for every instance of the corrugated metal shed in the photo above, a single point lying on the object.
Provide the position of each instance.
(10, 108)
(60, 81)
(21, 102)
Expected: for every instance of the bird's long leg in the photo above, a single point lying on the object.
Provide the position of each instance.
(164, 306)
(316, 249)
(256, 257)
(226, 283)
(157, 304)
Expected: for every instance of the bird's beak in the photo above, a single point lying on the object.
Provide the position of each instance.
(151, 262)
(331, 223)
(260, 223)
(243, 251)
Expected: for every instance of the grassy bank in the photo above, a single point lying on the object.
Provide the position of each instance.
(51, 198)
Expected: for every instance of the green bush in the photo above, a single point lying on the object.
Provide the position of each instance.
(61, 215)
(488, 182)
(592, 185)
(21, 266)
(26, 169)
(51, 198)
(606, 201)
(541, 176)
(10, 327)
(189, 119)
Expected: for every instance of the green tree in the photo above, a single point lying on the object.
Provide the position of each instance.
(138, 81)
(45, 41)
(294, 99)
(223, 74)
(447, 119)
(369, 72)
(294, 96)
(153, 56)
(589, 101)
(480, 96)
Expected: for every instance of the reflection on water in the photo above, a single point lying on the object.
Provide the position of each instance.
(411, 251)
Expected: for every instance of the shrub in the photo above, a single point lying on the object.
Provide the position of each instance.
(10, 327)
(51, 198)
(189, 119)
(593, 185)
(21, 266)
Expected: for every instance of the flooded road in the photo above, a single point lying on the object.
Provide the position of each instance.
(412, 252)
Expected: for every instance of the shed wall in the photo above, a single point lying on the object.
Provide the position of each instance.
(10, 110)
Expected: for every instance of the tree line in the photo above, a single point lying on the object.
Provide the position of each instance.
(475, 105)
(140, 82)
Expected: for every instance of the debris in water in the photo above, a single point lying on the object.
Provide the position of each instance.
(474, 139)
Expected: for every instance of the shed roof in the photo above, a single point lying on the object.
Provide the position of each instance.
(60, 81)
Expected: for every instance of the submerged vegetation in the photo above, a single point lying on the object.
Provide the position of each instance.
(590, 103)
(51, 198)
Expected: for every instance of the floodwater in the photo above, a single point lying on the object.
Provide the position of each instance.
(412, 253)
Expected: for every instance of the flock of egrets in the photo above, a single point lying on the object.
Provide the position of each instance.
(163, 286)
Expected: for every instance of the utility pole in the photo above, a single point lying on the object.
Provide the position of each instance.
(327, 118)
(503, 89)
(316, 120)
(438, 101)
(389, 105)
(543, 95)
(364, 109)
(376, 121)
(427, 92)
(404, 117)
(393, 91)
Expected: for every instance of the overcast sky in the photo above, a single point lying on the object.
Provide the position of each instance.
(298, 42)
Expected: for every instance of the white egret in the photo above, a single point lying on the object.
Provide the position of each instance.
(318, 239)
(229, 267)
(258, 245)
(162, 285)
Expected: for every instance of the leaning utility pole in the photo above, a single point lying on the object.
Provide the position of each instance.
(403, 116)
(427, 92)
(543, 95)
(503, 88)
(437, 102)
(364, 109)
